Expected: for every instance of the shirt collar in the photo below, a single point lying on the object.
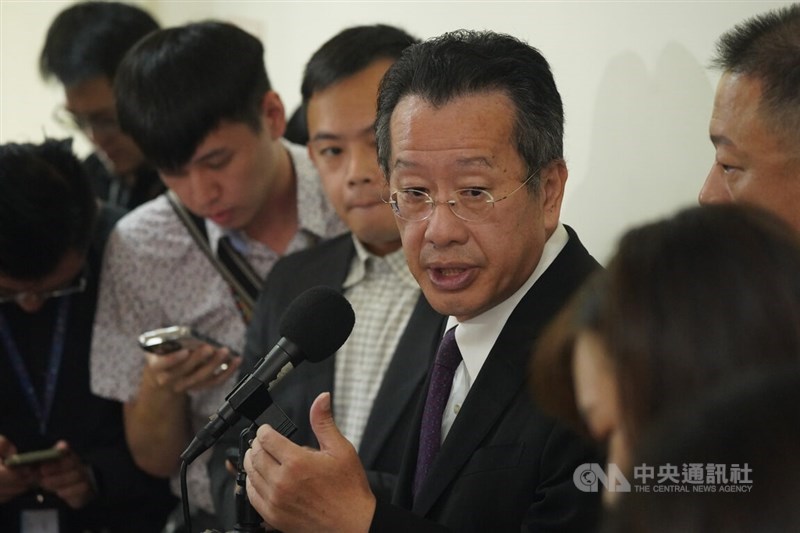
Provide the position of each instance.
(476, 337)
(395, 261)
(240, 242)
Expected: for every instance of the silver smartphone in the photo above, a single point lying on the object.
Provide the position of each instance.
(171, 339)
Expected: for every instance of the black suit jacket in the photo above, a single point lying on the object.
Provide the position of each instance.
(504, 465)
(389, 423)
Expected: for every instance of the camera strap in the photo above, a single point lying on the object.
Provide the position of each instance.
(244, 282)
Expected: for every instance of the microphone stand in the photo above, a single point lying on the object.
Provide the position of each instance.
(247, 519)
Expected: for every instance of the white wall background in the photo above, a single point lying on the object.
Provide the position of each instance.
(633, 77)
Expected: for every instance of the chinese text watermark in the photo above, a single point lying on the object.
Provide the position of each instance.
(686, 477)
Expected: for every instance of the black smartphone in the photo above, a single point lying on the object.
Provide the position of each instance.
(33, 458)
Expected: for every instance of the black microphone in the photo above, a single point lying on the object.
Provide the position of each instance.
(314, 326)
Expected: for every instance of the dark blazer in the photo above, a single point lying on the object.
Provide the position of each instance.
(504, 465)
(389, 423)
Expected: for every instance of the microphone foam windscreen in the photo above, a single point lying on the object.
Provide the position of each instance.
(318, 321)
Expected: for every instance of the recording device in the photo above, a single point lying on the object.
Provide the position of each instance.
(313, 327)
(33, 458)
(173, 338)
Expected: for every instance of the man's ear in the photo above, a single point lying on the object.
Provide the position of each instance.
(273, 114)
(553, 180)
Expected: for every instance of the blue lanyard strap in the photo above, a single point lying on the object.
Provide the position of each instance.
(40, 409)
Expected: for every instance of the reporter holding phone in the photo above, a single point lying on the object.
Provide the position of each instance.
(239, 198)
(64, 463)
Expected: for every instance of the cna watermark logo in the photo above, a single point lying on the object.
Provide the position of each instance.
(589, 476)
(687, 477)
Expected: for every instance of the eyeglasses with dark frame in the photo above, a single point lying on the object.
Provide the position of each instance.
(76, 286)
(100, 123)
(471, 205)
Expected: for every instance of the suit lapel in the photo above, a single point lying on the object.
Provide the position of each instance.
(331, 270)
(498, 383)
(505, 369)
(405, 373)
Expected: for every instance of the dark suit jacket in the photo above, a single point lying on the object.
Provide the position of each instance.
(389, 423)
(504, 465)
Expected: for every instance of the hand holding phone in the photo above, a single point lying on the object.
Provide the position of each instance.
(13, 481)
(206, 364)
(173, 338)
(67, 477)
(33, 457)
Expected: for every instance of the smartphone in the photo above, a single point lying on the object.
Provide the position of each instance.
(171, 339)
(32, 458)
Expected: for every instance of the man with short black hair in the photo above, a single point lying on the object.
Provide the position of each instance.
(755, 124)
(197, 100)
(469, 135)
(52, 234)
(83, 48)
(378, 373)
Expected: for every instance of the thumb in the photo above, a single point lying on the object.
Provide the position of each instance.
(322, 423)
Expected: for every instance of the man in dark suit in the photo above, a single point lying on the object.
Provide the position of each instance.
(376, 377)
(465, 121)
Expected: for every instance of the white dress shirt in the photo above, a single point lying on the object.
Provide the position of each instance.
(476, 337)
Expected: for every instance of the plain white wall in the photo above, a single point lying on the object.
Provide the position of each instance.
(633, 77)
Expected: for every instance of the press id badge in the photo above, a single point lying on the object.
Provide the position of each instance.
(39, 521)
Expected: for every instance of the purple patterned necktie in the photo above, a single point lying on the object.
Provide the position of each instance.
(448, 357)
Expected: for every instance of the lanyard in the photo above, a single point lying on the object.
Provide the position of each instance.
(40, 409)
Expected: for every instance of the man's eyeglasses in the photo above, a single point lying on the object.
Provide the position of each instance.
(472, 205)
(77, 285)
(100, 123)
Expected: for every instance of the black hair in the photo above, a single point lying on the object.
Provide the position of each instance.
(89, 39)
(297, 127)
(462, 63)
(351, 51)
(685, 302)
(178, 84)
(767, 48)
(47, 208)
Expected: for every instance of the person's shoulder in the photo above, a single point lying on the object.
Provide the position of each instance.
(324, 248)
(576, 253)
(154, 216)
(95, 169)
(326, 252)
(154, 229)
